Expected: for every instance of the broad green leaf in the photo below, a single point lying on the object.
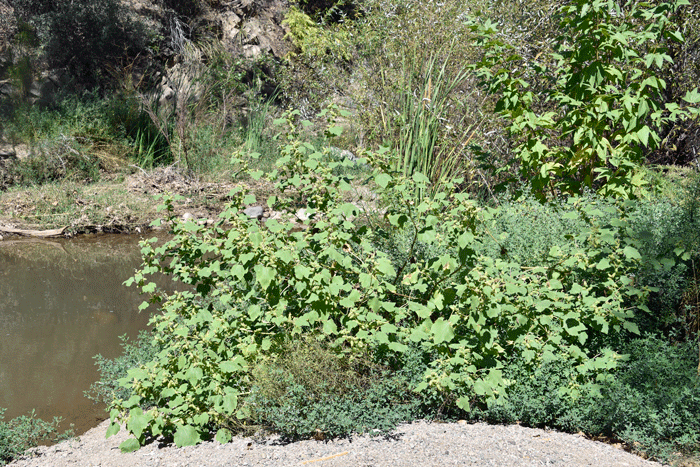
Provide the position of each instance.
(223, 436)
(631, 327)
(632, 253)
(464, 404)
(382, 180)
(643, 135)
(329, 327)
(397, 347)
(335, 130)
(481, 388)
(194, 375)
(385, 267)
(130, 445)
(230, 403)
(137, 422)
(265, 275)
(186, 435)
(419, 177)
(442, 331)
(113, 429)
(692, 97)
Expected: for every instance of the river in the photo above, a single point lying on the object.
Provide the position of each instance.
(61, 303)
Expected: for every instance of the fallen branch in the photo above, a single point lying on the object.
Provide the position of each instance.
(34, 233)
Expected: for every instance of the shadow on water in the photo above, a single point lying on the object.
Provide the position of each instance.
(61, 303)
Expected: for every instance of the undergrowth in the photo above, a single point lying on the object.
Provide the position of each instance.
(26, 431)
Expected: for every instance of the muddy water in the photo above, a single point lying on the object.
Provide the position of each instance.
(61, 303)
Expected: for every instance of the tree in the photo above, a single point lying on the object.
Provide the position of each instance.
(602, 108)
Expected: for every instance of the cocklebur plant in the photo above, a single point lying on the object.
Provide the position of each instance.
(250, 287)
(587, 113)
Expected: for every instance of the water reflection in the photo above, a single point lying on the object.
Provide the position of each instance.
(61, 303)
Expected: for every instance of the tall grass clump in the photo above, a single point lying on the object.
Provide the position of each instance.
(423, 126)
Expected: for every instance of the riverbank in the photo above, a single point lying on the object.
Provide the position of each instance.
(418, 443)
(118, 203)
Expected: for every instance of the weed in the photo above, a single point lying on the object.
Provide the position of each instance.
(24, 432)
(311, 391)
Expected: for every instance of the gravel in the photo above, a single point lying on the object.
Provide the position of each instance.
(415, 444)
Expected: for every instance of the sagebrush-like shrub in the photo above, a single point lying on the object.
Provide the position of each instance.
(651, 402)
(24, 432)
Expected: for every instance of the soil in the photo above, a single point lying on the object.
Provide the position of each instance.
(415, 444)
(116, 205)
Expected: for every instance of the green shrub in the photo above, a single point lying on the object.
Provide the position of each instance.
(602, 108)
(665, 232)
(24, 432)
(651, 402)
(253, 286)
(55, 160)
(314, 42)
(135, 353)
(310, 391)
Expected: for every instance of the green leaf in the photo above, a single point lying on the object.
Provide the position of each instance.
(113, 429)
(382, 180)
(223, 436)
(631, 327)
(603, 264)
(464, 404)
(230, 402)
(186, 435)
(397, 347)
(692, 97)
(138, 421)
(130, 445)
(481, 388)
(335, 130)
(632, 253)
(385, 267)
(265, 275)
(442, 331)
(643, 135)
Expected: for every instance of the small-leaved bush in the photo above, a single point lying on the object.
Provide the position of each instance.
(310, 391)
(135, 353)
(24, 432)
(253, 286)
(652, 403)
(314, 42)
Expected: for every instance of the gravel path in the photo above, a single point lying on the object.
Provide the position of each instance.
(416, 444)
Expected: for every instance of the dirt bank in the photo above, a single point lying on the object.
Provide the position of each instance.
(411, 445)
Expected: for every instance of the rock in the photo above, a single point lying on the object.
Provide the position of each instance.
(187, 216)
(344, 154)
(230, 26)
(7, 152)
(301, 214)
(254, 212)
